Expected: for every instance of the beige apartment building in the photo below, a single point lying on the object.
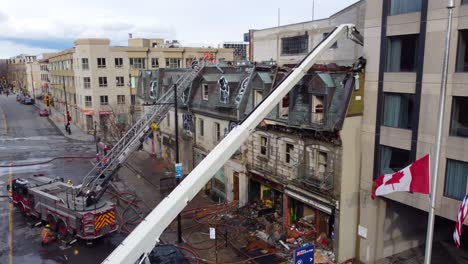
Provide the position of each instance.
(404, 45)
(288, 44)
(100, 80)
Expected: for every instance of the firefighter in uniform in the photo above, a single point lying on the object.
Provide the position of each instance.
(47, 235)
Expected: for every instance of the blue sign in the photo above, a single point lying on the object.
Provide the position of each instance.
(178, 170)
(304, 255)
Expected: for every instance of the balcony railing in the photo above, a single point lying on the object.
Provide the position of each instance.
(306, 119)
(313, 178)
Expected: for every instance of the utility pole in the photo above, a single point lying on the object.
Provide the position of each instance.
(67, 126)
(179, 224)
(438, 139)
(132, 103)
(32, 83)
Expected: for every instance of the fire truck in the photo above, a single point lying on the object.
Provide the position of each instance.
(57, 203)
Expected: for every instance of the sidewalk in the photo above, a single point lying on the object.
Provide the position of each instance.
(58, 119)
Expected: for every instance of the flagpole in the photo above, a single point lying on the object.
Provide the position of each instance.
(443, 88)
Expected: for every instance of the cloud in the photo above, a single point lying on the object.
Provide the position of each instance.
(9, 49)
(3, 17)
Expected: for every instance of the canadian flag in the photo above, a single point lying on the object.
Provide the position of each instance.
(414, 178)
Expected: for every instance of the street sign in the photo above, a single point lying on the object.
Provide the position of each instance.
(212, 233)
(178, 170)
(304, 255)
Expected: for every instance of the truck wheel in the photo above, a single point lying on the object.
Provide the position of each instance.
(62, 228)
(52, 223)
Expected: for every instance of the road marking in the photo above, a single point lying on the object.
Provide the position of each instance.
(10, 234)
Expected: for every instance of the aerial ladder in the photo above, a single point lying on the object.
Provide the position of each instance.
(97, 180)
(139, 244)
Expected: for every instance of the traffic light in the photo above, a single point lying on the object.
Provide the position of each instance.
(47, 101)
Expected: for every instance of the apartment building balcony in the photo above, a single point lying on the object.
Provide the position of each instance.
(305, 119)
(315, 179)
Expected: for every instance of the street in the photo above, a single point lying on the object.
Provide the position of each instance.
(26, 138)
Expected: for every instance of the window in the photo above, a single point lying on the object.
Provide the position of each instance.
(335, 45)
(118, 62)
(119, 80)
(102, 81)
(104, 100)
(86, 82)
(85, 64)
(217, 131)
(393, 159)
(462, 54)
(401, 55)
(121, 99)
(154, 62)
(132, 99)
(202, 127)
(459, 118)
(263, 145)
(258, 97)
(168, 119)
(173, 63)
(289, 150)
(294, 45)
(137, 63)
(205, 91)
(322, 161)
(398, 110)
(101, 62)
(455, 179)
(88, 101)
(404, 6)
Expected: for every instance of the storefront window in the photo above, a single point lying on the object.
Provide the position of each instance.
(308, 223)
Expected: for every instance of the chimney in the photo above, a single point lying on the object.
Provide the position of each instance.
(130, 35)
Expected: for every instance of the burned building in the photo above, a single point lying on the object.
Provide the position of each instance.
(301, 163)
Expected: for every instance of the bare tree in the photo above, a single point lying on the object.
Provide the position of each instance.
(114, 125)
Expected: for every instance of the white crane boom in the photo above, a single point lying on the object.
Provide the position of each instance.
(146, 235)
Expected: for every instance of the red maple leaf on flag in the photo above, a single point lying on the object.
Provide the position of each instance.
(396, 177)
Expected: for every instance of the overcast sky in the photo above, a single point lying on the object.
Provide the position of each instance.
(33, 27)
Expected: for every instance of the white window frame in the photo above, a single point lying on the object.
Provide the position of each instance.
(101, 62)
(120, 99)
(154, 62)
(205, 92)
(106, 102)
(217, 127)
(117, 81)
(86, 84)
(103, 81)
(288, 153)
(118, 62)
(263, 145)
(88, 103)
(84, 64)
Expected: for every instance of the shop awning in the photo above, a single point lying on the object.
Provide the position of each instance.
(310, 201)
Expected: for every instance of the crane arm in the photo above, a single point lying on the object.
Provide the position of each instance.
(146, 235)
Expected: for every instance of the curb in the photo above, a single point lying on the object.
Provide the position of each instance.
(38, 106)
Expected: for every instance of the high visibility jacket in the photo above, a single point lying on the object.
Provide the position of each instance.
(46, 234)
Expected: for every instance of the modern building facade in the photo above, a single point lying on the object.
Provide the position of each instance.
(404, 44)
(289, 43)
(241, 50)
(100, 80)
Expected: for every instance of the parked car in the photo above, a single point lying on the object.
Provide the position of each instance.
(28, 101)
(18, 97)
(22, 98)
(43, 112)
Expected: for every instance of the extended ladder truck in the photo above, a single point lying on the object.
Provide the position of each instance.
(138, 245)
(79, 210)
